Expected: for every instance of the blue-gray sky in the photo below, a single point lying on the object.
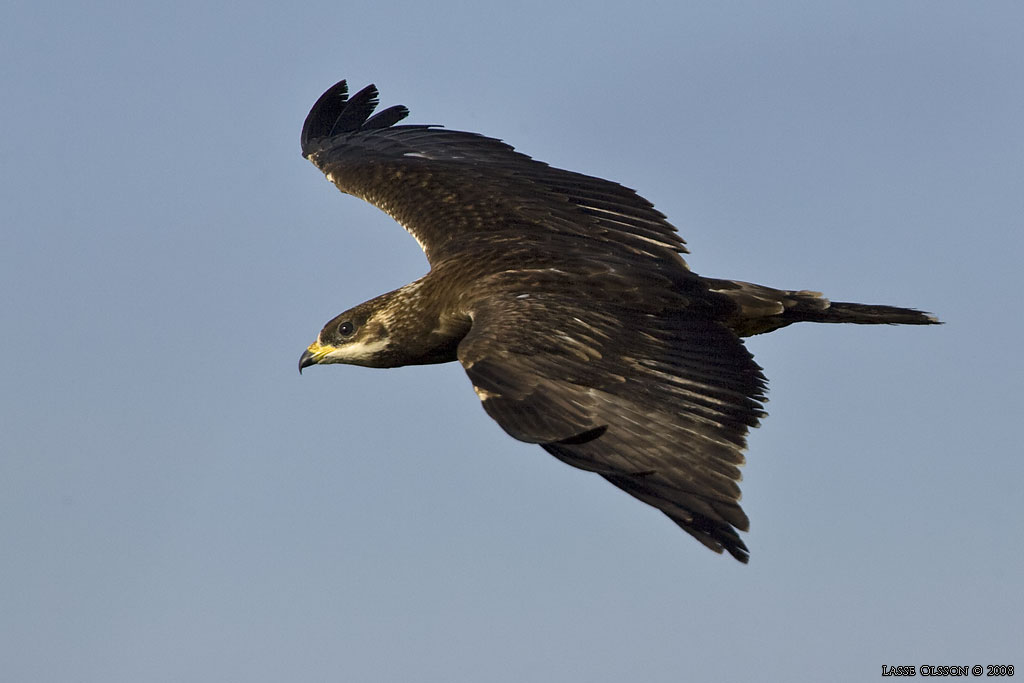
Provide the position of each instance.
(176, 503)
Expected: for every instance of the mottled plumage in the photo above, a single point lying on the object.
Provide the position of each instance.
(567, 302)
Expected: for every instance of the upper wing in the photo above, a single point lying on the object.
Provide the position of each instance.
(456, 191)
(658, 402)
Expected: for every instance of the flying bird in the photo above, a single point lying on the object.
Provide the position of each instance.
(567, 300)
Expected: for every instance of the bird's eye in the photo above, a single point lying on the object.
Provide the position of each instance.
(346, 328)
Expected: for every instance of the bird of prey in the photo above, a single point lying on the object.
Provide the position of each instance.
(567, 301)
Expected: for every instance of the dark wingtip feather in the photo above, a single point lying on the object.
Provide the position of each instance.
(322, 116)
(740, 554)
(355, 112)
(718, 535)
(386, 118)
(335, 113)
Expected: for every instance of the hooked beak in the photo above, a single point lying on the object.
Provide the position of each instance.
(313, 355)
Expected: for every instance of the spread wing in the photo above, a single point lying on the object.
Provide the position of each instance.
(457, 192)
(657, 401)
(589, 334)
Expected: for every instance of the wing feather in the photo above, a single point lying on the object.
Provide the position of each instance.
(658, 402)
(458, 192)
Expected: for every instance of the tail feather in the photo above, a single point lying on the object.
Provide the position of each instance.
(872, 314)
(757, 309)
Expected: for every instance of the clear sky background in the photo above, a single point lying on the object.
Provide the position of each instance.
(178, 504)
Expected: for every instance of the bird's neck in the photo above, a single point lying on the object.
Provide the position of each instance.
(424, 322)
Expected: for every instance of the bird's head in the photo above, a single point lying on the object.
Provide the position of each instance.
(359, 336)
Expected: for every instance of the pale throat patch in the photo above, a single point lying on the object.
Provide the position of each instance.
(355, 351)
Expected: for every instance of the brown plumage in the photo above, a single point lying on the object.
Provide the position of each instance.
(567, 301)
